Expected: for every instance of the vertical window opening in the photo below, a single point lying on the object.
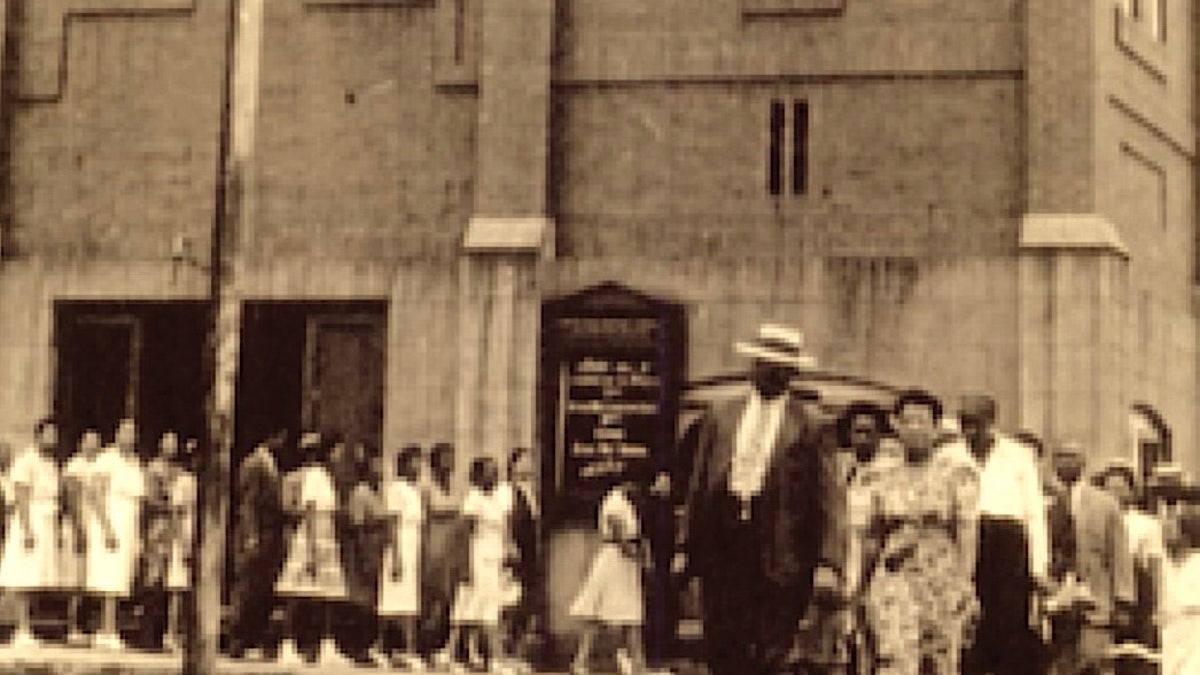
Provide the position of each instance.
(775, 153)
(800, 148)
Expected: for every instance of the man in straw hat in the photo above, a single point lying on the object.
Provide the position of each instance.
(754, 516)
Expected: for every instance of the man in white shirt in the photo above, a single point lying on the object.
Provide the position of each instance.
(1013, 550)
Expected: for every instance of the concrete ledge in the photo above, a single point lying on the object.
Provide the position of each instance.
(774, 8)
(532, 234)
(1076, 231)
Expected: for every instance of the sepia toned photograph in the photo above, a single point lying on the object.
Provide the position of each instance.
(590, 337)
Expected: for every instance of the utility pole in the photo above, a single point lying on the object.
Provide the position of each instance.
(238, 112)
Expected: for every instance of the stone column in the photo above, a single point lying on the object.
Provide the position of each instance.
(510, 232)
(1074, 277)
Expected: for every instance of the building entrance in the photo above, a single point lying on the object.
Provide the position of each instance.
(138, 359)
(310, 366)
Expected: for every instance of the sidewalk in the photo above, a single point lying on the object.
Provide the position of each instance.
(54, 659)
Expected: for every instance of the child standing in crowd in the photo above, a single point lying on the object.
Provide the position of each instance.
(611, 595)
(114, 528)
(399, 579)
(31, 537)
(312, 579)
(78, 488)
(478, 602)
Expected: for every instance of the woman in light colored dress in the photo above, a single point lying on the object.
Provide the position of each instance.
(399, 579)
(1179, 617)
(114, 528)
(31, 538)
(478, 602)
(612, 594)
(77, 488)
(312, 580)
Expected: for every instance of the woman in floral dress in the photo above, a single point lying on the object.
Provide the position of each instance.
(918, 523)
(169, 509)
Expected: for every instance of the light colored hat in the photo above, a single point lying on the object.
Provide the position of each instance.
(311, 439)
(1169, 473)
(778, 344)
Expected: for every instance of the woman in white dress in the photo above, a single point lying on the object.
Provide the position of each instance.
(113, 532)
(77, 488)
(611, 595)
(312, 580)
(1179, 617)
(399, 579)
(30, 541)
(479, 601)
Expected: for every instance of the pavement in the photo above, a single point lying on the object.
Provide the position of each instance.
(76, 661)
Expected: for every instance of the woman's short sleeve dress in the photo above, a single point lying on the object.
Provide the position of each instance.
(120, 487)
(313, 568)
(29, 568)
(400, 596)
(612, 591)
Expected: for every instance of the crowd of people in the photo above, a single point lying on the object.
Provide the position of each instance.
(96, 528)
(404, 571)
(901, 540)
(917, 542)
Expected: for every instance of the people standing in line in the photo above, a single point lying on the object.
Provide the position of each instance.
(257, 547)
(1013, 554)
(833, 642)
(400, 574)
(78, 488)
(525, 557)
(1083, 636)
(611, 595)
(444, 551)
(917, 522)
(479, 600)
(361, 552)
(31, 538)
(754, 520)
(182, 499)
(1179, 613)
(170, 507)
(312, 581)
(114, 528)
(1144, 537)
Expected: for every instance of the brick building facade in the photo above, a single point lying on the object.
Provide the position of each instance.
(987, 195)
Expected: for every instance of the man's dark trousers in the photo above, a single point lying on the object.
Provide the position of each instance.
(749, 621)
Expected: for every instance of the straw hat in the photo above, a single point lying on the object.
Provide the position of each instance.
(778, 344)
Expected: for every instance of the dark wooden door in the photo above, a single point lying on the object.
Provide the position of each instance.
(343, 376)
(100, 357)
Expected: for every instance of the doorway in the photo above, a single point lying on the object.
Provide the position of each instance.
(130, 359)
(310, 366)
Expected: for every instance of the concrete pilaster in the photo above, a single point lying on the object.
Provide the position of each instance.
(1073, 276)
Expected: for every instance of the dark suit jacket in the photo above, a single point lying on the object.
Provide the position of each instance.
(787, 515)
(1102, 554)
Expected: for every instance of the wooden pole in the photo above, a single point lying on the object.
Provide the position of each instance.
(239, 109)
